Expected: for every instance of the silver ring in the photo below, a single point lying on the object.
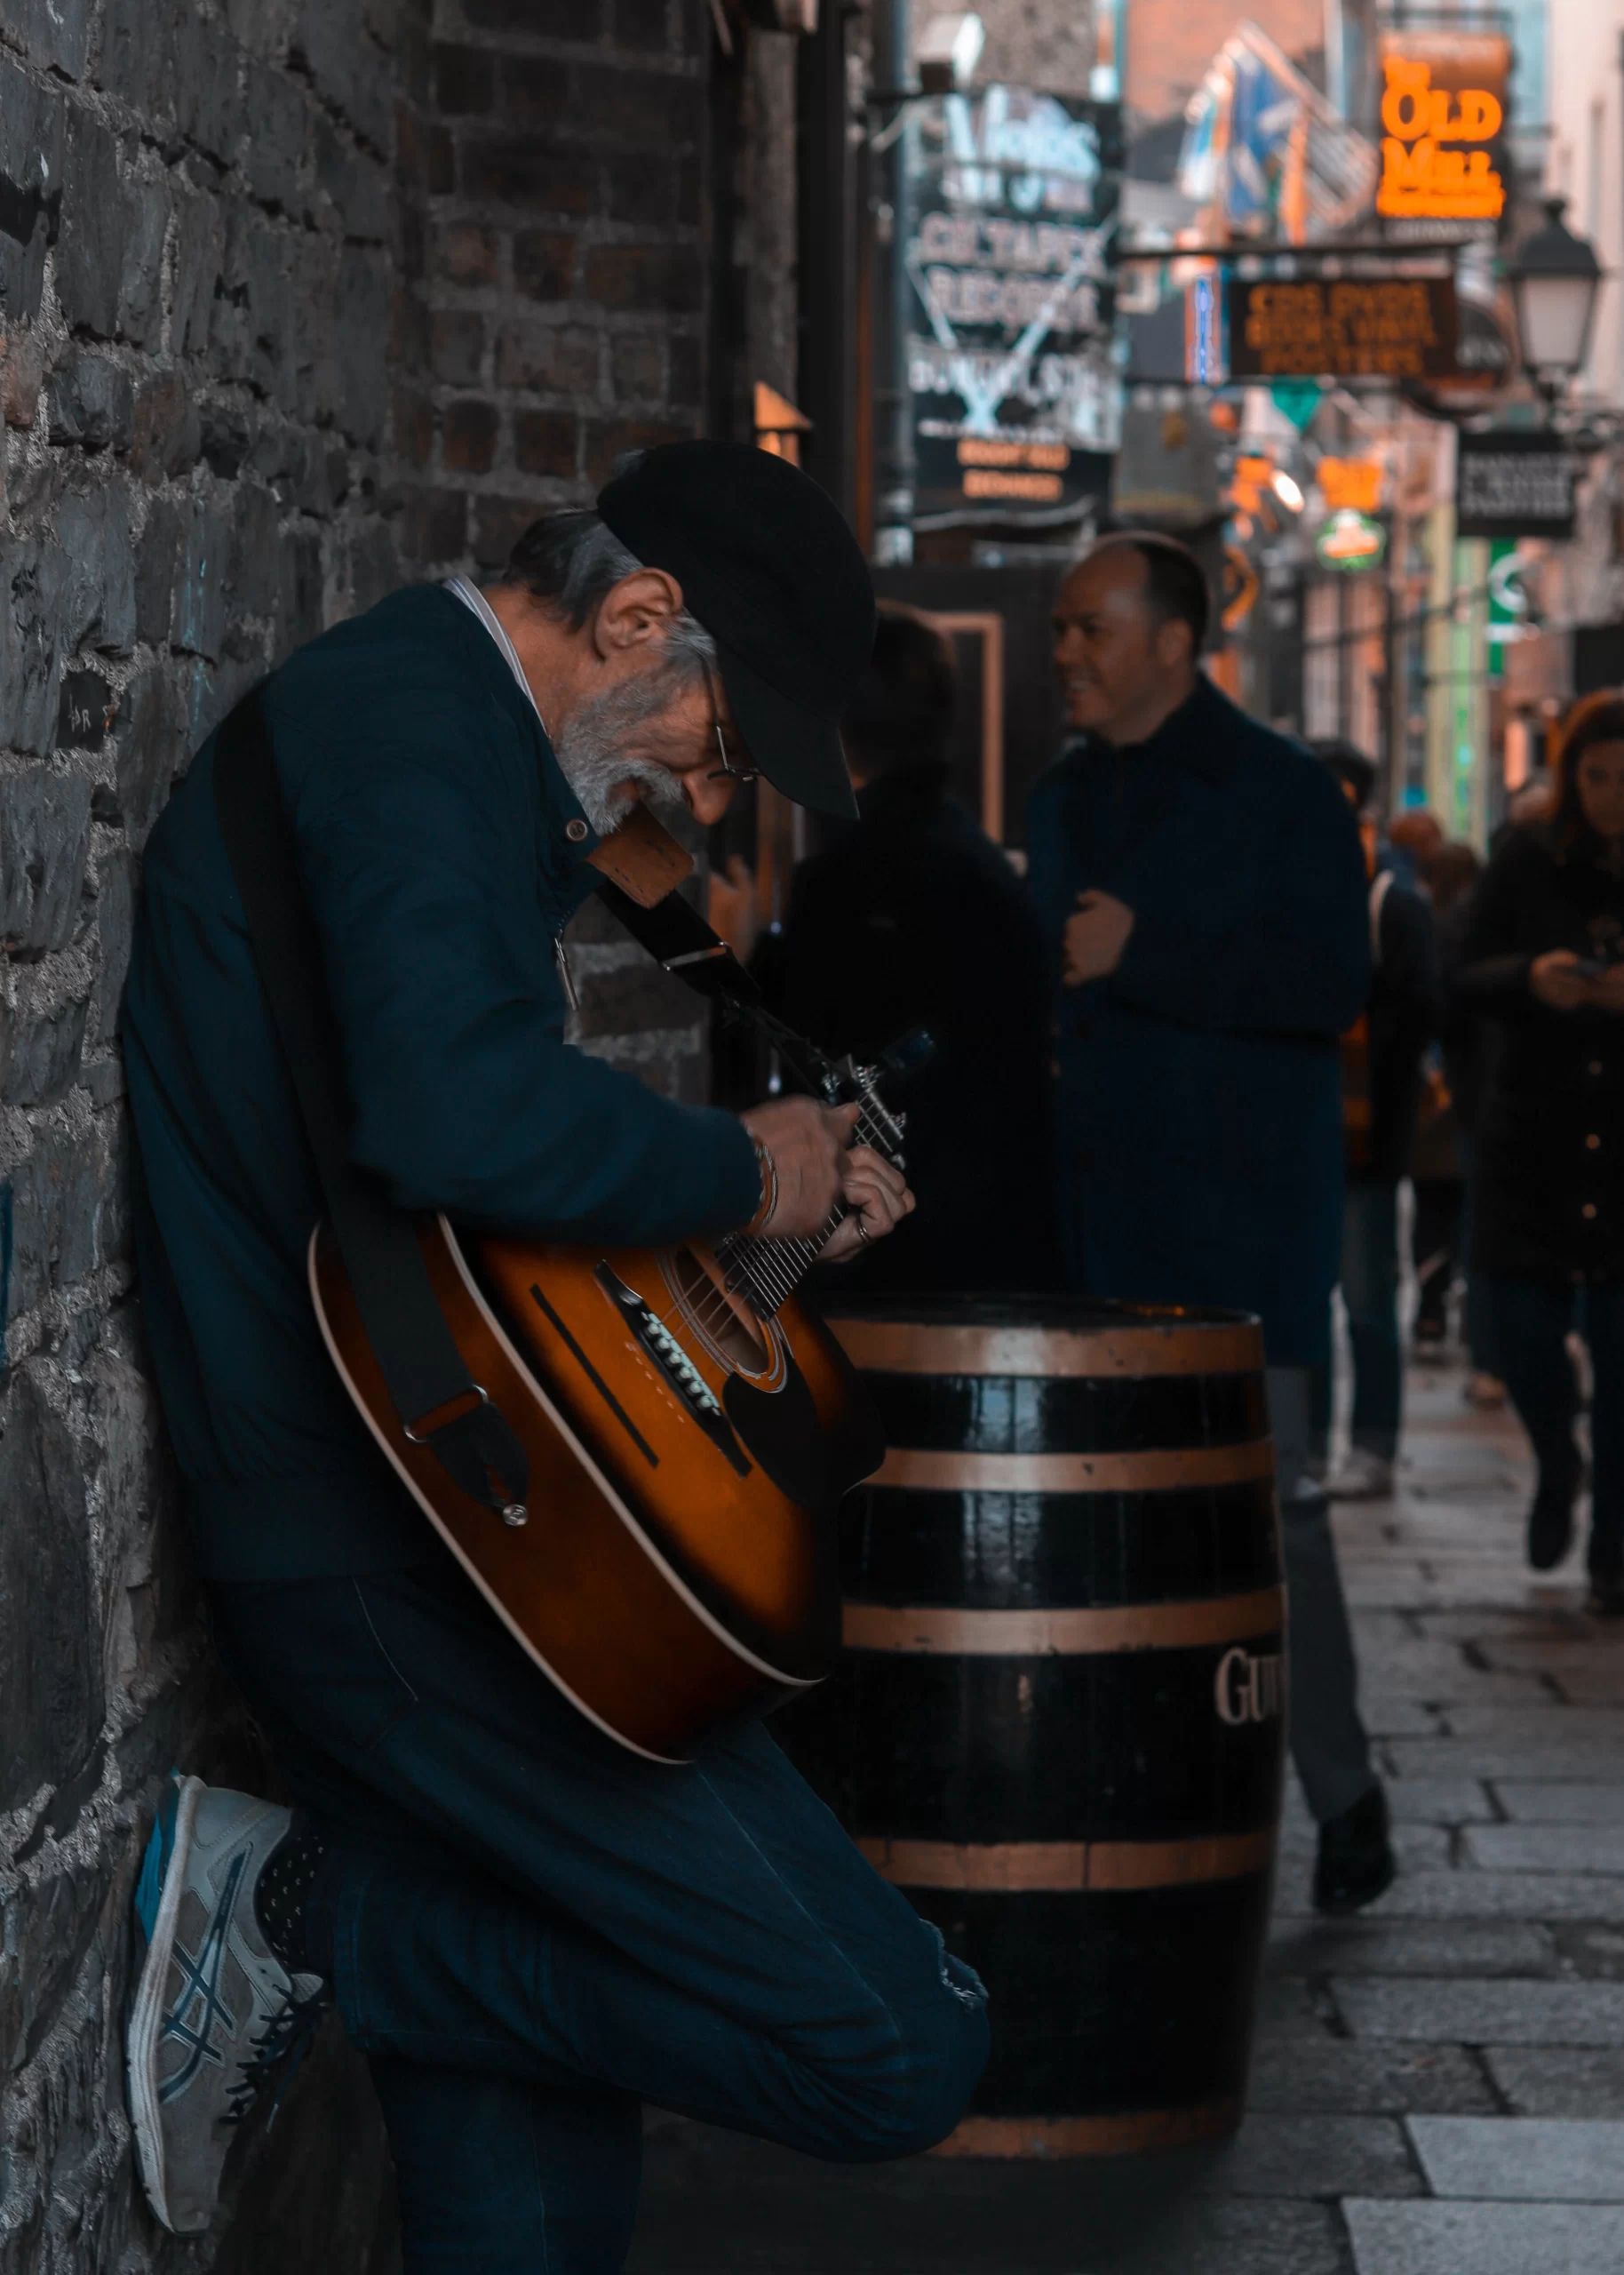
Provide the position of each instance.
(862, 1231)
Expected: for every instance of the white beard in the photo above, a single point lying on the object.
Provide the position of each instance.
(591, 753)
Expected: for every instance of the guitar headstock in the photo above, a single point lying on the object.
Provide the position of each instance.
(845, 1082)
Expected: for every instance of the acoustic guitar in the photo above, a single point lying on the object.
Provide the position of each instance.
(690, 1426)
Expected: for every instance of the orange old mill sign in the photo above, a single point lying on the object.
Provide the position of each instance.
(1442, 101)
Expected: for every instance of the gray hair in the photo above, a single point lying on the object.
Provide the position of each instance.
(572, 561)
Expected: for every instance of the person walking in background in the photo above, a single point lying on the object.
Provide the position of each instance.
(1381, 1080)
(1544, 954)
(910, 916)
(1441, 1160)
(1438, 1165)
(1202, 888)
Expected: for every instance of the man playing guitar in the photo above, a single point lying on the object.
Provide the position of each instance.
(529, 1929)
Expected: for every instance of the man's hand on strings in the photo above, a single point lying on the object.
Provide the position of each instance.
(877, 1199)
(815, 1165)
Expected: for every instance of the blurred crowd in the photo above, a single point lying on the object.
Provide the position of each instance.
(1230, 1038)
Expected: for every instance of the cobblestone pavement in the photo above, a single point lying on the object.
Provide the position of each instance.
(1438, 2086)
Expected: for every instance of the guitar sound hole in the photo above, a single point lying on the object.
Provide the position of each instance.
(718, 1316)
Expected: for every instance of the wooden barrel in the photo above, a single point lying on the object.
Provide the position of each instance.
(1059, 1721)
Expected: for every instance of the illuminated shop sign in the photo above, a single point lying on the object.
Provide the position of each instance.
(1443, 104)
(1354, 483)
(1016, 401)
(1351, 541)
(1371, 327)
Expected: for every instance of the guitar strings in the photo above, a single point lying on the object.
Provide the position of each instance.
(779, 1264)
(771, 1270)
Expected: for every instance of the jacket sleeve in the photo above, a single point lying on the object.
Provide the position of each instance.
(1492, 972)
(1292, 959)
(1408, 974)
(440, 960)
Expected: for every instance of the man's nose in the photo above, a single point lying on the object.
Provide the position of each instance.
(709, 795)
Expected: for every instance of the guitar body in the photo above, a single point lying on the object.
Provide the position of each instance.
(676, 1570)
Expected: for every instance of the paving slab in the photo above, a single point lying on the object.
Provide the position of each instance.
(1551, 1724)
(1591, 1686)
(1558, 1801)
(1531, 1647)
(1392, 1715)
(1372, 2077)
(1571, 1756)
(1547, 1848)
(1290, 2008)
(1317, 2156)
(1472, 1894)
(1531, 2159)
(1593, 1949)
(1558, 2081)
(1392, 2238)
(1376, 1945)
(1484, 2012)
(1561, 1617)
(1438, 1801)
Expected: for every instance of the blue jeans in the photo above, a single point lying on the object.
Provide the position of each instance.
(534, 1931)
(1531, 1322)
(1370, 1290)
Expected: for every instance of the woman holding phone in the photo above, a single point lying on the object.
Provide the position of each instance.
(1544, 956)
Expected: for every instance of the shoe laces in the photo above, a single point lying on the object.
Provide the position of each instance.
(285, 2040)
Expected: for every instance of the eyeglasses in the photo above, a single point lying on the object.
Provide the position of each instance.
(734, 773)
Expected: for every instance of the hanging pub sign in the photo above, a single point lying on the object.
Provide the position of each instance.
(1017, 400)
(1394, 327)
(1444, 97)
(1514, 481)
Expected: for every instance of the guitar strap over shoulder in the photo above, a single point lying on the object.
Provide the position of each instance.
(435, 1398)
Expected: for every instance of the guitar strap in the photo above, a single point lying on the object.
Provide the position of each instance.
(429, 1386)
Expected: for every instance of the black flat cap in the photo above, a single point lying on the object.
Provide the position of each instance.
(777, 579)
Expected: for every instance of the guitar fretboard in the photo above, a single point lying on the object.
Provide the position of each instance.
(766, 1271)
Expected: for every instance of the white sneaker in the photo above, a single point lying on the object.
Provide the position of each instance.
(214, 2008)
(1361, 1476)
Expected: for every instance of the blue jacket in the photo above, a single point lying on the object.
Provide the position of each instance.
(1200, 1106)
(431, 825)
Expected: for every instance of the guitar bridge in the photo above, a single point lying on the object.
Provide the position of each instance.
(675, 1369)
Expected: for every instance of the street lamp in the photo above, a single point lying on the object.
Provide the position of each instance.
(1554, 276)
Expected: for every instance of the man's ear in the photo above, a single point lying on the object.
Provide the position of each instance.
(1175, 646)
(640, 608)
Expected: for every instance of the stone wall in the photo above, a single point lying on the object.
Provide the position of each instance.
(296, 297)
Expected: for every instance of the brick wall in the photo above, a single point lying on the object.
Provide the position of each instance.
(296, 297)
(558, 300)
(553, 161)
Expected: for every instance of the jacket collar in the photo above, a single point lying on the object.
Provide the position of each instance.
(566, 837)
(1203, 736)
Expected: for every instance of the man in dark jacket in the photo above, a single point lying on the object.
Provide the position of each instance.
(912, 917)
(1204, 891)
(527, 1929)
(1382, 1070)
